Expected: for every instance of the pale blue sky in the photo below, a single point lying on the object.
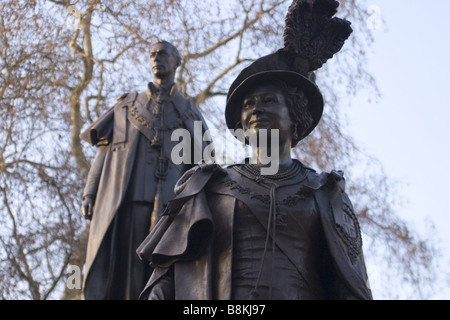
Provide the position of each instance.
(408, 129)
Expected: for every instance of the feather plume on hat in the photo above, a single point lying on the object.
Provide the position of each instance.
(312, 34)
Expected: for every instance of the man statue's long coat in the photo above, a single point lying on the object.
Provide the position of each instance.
(116, 134)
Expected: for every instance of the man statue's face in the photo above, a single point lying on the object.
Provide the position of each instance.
(265, 107)
(163, 61)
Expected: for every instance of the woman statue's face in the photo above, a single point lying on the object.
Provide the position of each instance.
(265, 107)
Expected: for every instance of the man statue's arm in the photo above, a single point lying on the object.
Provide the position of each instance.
(92, 182)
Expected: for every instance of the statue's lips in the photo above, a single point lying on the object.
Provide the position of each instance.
(259, 123)
(158, 67)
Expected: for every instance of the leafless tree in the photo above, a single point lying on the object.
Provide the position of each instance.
(63, 63)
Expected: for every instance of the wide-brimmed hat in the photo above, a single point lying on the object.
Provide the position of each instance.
(274, 67)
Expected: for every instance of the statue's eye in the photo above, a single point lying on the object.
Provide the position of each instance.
(270, 99)
(248, 103)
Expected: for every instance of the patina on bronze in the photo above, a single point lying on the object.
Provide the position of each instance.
(233, 233)
(132, 177)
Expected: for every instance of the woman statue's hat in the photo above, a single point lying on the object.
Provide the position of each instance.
(273, 67)
(311, 36)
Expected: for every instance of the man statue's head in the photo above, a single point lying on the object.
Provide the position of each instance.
(165, 59)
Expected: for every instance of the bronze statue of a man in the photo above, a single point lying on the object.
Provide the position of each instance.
(237, 233)
(133, 177)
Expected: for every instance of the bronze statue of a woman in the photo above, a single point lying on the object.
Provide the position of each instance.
(236, 233)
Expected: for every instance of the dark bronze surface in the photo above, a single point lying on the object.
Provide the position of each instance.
(236, 233)
(132, 177)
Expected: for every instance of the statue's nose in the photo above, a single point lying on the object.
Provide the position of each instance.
(258, 107)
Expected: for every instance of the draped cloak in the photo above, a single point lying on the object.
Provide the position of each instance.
(194, 238)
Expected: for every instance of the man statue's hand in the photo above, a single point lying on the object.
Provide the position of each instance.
(87, 207)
